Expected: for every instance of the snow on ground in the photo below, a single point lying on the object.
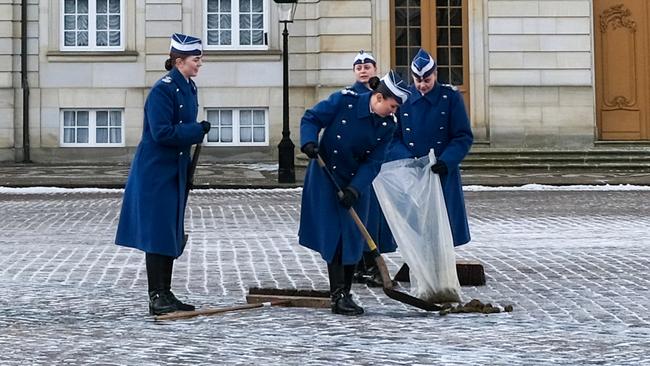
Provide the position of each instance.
(470, 188)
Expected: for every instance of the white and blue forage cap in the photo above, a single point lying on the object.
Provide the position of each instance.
(396, 86)
(185, 45)
(423, 64)
(364, 57)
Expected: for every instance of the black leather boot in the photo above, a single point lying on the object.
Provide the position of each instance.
(340, 282)
(179, 304)
(359, 271)
(343, 304)
(167, 278)
(373, 277)
(159, 273)
(348, 275)
(160, 303)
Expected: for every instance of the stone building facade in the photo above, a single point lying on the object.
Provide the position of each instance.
(536, 74)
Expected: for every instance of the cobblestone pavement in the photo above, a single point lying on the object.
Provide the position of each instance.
(574, 264)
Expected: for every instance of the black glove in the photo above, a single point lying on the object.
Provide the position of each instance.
(206, 126)
(310, 150)
(349, 197)
(439, 167)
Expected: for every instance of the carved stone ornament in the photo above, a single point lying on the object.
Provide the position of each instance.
(619, 16)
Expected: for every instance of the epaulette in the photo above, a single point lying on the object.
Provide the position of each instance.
(348, 91)
(167, 79)
(449, 86)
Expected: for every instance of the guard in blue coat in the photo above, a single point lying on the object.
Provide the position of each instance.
(364, 67)
(356, 130)
(153, 207)
(435, 118)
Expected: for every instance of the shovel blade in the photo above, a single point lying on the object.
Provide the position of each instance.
(411, 300)
(391, 292)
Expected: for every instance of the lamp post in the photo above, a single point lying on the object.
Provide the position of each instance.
(286, 167)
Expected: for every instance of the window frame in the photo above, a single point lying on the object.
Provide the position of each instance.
(92, 29)
(92, 127)
(428, 39)
(236, 127)
(235, 14)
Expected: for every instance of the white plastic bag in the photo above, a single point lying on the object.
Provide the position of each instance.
(411, 198)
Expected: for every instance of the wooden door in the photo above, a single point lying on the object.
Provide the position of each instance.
(621, 46)
(440, 27)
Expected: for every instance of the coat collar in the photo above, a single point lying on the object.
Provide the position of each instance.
(179, 80)
(432, 96)
(360, 87)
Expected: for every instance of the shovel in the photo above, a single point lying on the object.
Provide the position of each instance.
(379, 259)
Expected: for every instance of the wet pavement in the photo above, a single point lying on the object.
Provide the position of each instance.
(573, 264)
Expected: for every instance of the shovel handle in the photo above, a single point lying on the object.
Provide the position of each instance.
(353, 213)
(381, 264)
(362, 228)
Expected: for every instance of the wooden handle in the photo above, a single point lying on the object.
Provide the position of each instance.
(210, 311)
(362, 228)
(381, 264)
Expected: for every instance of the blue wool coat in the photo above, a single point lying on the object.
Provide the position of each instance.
(438, 120)
(374, 220)
(359, 88)
(353, 146)
(153, 207)
(378, 226)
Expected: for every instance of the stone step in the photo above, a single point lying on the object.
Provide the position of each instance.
(556, 157)
(622, 159)
(554, 165)
(487, 158)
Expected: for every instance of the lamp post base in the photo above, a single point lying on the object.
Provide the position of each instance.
(286, 167)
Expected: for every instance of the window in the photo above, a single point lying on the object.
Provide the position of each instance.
(440, 27)
(238, 127)
(83, 127)
(92, 25)
(236, 24)
(449, 19)
(407, 35)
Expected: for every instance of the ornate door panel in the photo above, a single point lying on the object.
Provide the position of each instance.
(621, 40)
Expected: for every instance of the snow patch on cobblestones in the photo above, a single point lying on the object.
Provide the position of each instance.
(52, 190)
(544, 187)
(260, 167)
(468, 188)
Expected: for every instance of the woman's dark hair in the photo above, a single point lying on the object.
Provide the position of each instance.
(378, 87)
(374, 82)
(171, 61)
